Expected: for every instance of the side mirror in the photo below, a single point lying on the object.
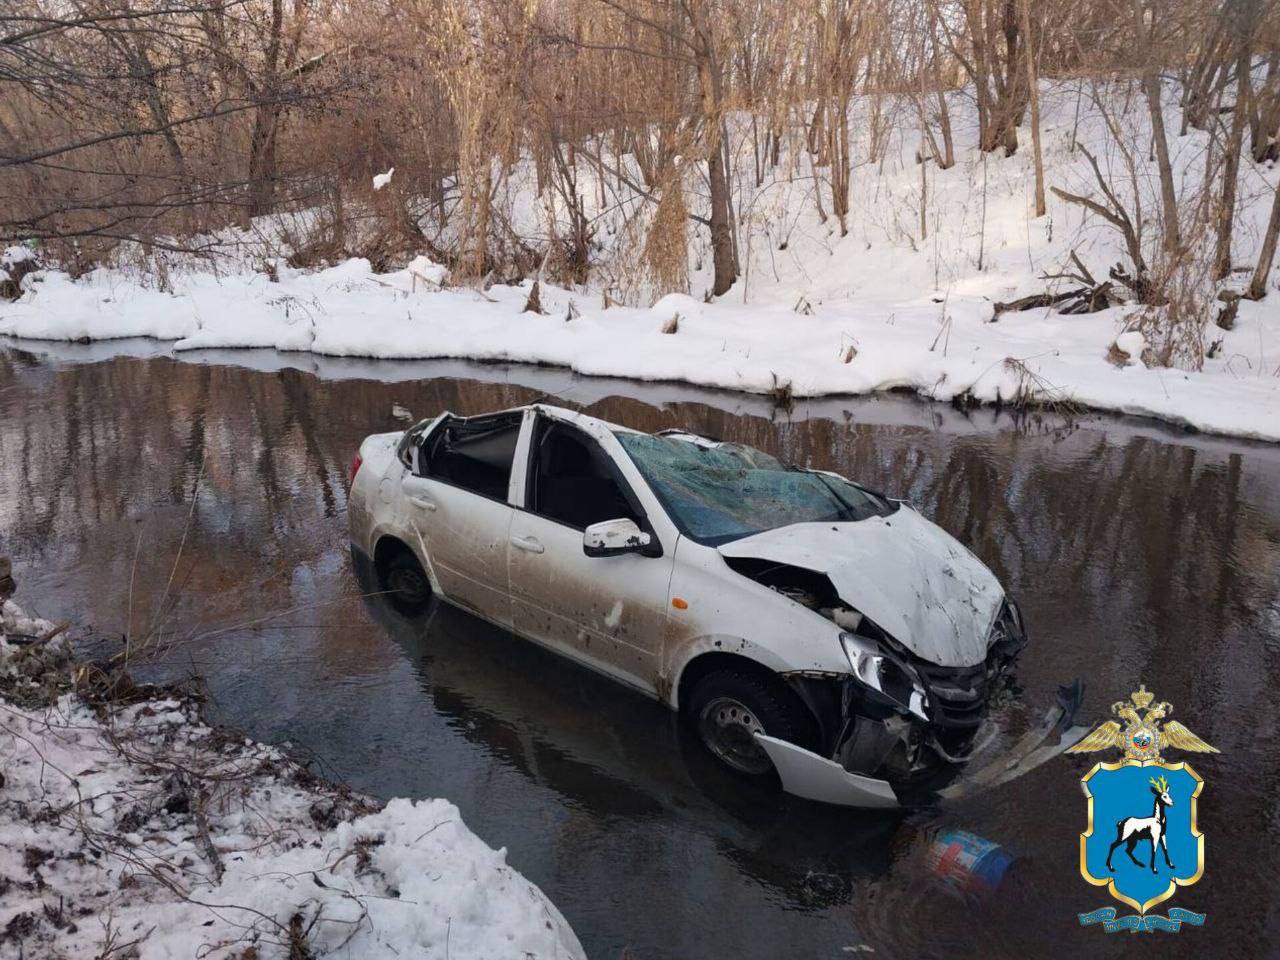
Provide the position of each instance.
(612, 538)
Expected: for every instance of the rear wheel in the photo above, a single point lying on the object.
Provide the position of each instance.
(729, 707)
(405, 582)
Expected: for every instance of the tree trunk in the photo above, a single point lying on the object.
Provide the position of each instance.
(838, 132)
(722, 252)
(1151, 87)
(975, 14)
(1265, 132)
(724, 256)
(262, 145)
(948, 159)
(1033, 89)
(1168, 193)
(262, 160)
(1258, 286)
(1231, 170)
(1012, 103)
(924, 194)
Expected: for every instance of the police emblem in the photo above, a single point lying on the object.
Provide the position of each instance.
(1142, 842)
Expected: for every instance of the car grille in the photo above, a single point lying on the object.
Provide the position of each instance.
(958, 695)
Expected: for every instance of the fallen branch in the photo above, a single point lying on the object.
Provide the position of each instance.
(196, 799)
(1114, 213)
(1071, 303)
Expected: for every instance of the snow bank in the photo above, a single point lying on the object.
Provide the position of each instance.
(940, 350)
(124, 821)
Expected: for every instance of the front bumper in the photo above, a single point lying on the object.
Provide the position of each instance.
(808, 775)
(805, 774)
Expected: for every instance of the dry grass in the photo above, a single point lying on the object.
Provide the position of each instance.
(666, 246)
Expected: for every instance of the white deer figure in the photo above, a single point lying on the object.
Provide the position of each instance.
(1132, 829)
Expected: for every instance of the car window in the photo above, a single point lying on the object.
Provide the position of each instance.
(573, 481)
(475, 454)
(717, 492)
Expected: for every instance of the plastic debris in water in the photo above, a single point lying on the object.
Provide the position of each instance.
(968, 863)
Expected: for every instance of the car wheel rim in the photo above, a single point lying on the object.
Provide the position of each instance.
(728, 728)
(407, 585)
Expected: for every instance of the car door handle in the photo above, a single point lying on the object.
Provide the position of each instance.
(528, 544)
(423, 503)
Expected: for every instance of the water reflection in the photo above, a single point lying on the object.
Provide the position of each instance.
(203, 504)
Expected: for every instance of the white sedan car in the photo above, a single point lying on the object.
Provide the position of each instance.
(801, 623)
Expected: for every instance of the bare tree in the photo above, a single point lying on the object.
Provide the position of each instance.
(1033, 86)
(1144, 33)
(1258, 284)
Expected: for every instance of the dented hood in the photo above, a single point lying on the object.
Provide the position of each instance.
(909, 576)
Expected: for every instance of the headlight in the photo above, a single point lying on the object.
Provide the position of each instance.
(1008, 634)
(885, 674)
(1015, 614)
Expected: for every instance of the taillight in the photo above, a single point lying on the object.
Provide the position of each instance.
(356, 462)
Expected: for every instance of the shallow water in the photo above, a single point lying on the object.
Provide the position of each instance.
(202, 502)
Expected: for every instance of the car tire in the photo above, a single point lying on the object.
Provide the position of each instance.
(405, 583)
(728, 707)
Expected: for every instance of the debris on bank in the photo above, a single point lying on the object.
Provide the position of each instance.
(130, 828)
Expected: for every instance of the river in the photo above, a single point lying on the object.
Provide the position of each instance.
(200, 503)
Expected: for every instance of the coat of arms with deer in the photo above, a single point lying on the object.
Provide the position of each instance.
(1142, 841)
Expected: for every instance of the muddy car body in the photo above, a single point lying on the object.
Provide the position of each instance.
(801, 622)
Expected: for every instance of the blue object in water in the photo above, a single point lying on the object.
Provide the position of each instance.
(967, 862)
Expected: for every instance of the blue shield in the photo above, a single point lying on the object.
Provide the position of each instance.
(1125, 811)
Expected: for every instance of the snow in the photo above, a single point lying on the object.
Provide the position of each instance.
(426, 270)
(102, 843)
(382, 179)
(16, 254)
(1131, 344)
(815, 313)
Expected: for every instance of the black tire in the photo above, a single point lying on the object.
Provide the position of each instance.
(727, 706)
(405, 582)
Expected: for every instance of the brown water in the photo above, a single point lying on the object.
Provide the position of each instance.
(1139, 555)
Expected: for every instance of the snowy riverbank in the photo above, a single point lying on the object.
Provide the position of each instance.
(841, 348)
(130, 828)
(906, 299)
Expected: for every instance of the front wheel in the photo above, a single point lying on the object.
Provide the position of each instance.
(729, 707)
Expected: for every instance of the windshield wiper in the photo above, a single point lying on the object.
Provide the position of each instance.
(847, 509)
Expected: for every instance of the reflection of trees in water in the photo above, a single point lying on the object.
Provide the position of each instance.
(98, 442)
(96, 456)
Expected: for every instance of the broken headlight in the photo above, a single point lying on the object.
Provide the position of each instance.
(885, 674)
(1008, 634)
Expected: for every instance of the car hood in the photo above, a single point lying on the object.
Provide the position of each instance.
(915, 581)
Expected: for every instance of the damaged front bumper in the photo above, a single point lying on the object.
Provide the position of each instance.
(813, 777)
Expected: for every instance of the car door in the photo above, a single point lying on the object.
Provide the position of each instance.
(456, 500)
(610, 612)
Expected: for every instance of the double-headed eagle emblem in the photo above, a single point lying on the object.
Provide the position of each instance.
(1143, 735)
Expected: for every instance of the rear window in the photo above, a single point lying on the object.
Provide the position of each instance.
(475, 454)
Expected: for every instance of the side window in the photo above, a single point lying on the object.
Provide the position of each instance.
(572, 480)
(475, 454)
